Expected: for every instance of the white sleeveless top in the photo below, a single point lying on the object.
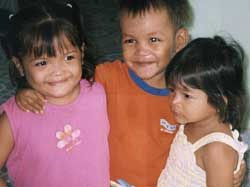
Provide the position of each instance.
(181, 169)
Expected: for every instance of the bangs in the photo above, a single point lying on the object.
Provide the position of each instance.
(48, 39)
(186, 74)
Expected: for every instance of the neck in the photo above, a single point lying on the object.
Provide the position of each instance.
(157, 81)
(206, 125)
(65, 99)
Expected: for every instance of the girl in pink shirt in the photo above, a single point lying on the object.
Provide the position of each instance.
(67, 145)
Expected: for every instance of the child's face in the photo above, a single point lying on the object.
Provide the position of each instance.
(149, 41)
(191, 105)
(56, 77)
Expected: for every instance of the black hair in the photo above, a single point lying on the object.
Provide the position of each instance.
(179, 11)
(215, 67)
(4, 20)
(34, 28)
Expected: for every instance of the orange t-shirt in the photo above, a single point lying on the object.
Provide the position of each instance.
(138, 146)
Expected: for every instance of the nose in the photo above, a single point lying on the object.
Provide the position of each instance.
(175, 99)
(142, 49)
(58, 67)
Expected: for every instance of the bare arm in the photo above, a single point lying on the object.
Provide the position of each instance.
(220, 161)
(6, 139)
(2, 183)
(30, 100)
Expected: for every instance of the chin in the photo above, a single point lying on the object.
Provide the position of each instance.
(180, 121)
(144, 76)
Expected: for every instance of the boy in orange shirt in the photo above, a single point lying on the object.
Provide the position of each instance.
(142, 125)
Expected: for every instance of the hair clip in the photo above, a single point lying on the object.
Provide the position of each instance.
(69, 5)
(10, 16)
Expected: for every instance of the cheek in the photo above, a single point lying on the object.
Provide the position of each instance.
(36, 77)
(165, 55)
(190, 109)
(200, 111)
(33, 73)
(78, 69)
(79, 73)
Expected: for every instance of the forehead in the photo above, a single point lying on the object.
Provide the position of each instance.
(62, 43)
(59, 45)
(186, 88)
(150, 20)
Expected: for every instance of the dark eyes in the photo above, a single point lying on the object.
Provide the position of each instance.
(69, 57)
(41, 63)
(186, 96)
(151, 40)
(171, 90)
(129, 41)
(154, 39)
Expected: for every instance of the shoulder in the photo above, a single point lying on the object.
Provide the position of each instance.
(217, 147)
(109, 68)
(6, 138)
(218, 154)
(10, 106)
(219, 162)
(219, 144)
(3, 119)
(110, 65)
(12, 115)
(5, 123)
(110, 72)
(96, 87)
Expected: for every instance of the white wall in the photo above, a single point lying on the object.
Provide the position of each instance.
(225, 17)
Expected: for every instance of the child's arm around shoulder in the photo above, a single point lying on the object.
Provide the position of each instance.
(30, 100)
(220, 161)
(6, 139)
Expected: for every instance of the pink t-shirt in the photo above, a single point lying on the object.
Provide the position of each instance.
(67, 146)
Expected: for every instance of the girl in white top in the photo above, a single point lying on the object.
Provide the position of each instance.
(206, 79)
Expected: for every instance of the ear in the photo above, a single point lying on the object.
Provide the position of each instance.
(18, 65)
(83, 47)
(181, 39)
(225, 99)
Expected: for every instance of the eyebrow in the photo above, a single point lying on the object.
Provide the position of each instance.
(155, 32)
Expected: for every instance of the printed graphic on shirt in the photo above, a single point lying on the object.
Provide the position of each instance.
(167, 127)
(68, 138)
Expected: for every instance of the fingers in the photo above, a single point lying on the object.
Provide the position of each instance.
(243, 166)
(114, 184)
(239, 176)
(30, 101)
(237, 184)
(41, 97)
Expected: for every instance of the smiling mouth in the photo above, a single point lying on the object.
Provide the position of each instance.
(144, 63)
(54, 83)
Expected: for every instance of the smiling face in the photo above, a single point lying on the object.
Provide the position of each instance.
(149, 41)
(191, 106)
(56, 77)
